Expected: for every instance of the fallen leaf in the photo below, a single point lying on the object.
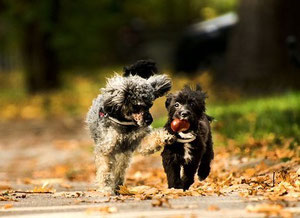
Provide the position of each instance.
(213, 208)
(5, 187)
(160, 202)
(147, 190)
(65, 185)
(250, 172)
(7, 198)
(7, 206)
(69, 194)
(105, 209)
(124, 190)
(156, 203)
(269, 209)
(43, 189)
(27, 181)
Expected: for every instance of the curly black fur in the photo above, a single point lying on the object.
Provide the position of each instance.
(188, 104)
(142, 68)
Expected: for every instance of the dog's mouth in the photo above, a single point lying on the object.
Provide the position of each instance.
(137, 117)
(181, 118)
(142, 118)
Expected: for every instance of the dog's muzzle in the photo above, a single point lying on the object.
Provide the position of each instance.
(185, 114)
(182, 115)
(142, 118)
(148, 119)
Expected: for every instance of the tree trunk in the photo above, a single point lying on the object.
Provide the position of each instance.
(41, 62)
(258, 58)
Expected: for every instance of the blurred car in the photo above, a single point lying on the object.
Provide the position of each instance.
(203, 44)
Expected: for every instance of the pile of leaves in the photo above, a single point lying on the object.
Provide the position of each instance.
(265, 171)
(256, 171)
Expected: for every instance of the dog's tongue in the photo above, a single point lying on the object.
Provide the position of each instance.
(178, 125)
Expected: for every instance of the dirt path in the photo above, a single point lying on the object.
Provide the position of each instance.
(47, 169)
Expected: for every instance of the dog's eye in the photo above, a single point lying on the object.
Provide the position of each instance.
(176, 104)
(192, 104)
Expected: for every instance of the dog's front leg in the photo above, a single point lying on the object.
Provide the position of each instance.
(104, 160)
(189, 171)
(104, 174)
(172, 169)
(154, 141)
(122, 162)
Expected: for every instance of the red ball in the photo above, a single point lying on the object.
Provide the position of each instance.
(178, 125)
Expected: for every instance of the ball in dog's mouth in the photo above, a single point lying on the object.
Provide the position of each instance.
(178, 125)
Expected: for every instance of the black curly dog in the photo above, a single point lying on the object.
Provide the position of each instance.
(193, 149)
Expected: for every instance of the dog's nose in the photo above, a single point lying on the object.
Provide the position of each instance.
(185, 114)
(149, 121)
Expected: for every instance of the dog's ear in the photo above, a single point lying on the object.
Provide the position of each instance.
(168, 101)
(161, 84)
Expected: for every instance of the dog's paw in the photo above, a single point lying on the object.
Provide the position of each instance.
(106, 191)
(203, 173)
(170, 139)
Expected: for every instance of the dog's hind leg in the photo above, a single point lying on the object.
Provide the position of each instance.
(208, 156)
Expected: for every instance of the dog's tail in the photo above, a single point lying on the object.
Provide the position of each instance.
(142, 68)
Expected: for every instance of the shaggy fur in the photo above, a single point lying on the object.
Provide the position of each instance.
(125, 99)
(181, 160)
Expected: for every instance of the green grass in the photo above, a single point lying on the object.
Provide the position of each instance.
(277, 116)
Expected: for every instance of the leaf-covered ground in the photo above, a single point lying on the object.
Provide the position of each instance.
(52, 155)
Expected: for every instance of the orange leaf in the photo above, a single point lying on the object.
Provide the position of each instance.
(7, 206)
(213, 208)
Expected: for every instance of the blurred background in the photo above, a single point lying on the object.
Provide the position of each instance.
(56, 54)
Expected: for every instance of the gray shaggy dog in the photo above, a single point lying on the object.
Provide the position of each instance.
(119, 120)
